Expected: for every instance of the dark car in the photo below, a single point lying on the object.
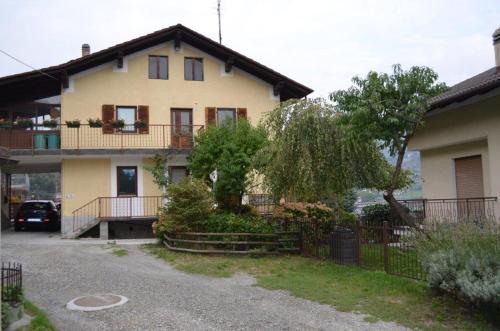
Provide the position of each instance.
(37, 214)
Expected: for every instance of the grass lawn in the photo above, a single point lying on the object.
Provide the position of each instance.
(40, 321)
(378, 295)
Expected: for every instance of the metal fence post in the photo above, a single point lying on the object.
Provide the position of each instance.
(386, 246)
(358, 242)
(301, 238)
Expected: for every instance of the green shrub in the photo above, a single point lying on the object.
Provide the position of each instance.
(7, 315)
(188, 203)
(224, 221)
(463, 260)
(293, 210)
(375, 215)
(229, 149)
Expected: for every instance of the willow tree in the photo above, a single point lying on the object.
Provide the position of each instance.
(311, 156)
(389, 108)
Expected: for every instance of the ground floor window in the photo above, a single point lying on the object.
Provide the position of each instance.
(126, 181)
(177, 174)
(226, 115)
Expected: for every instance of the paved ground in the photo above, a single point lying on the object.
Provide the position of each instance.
(160, 297)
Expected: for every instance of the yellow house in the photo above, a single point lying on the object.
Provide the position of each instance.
(460, 146)
(152, 95)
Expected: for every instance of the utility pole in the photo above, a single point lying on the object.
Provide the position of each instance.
(218, 14)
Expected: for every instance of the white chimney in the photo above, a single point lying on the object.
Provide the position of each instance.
(496, 45)
(85, 49)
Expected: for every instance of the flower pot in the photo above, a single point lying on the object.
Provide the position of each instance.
(39, 141)
(53, 141)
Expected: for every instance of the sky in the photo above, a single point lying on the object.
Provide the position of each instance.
(321, 44)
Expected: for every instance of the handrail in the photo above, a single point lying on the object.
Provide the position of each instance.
(64, 137)
(85, 205)
(450, 199)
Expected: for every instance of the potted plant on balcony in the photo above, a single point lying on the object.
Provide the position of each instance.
(118, 124)
(140, 124)
(73, 124)
(183, 138)
(5, 123)
(50, 124)
(24, 123)
(95, 122)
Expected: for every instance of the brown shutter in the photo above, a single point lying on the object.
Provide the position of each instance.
(242, 113)
(143, 115)
(210, 116)
(108, 115)
(469, 177)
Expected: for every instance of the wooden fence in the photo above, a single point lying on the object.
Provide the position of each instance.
(233, 243)
(384, 247)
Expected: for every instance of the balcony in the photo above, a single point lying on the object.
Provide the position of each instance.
(64, 139)
(479, 209)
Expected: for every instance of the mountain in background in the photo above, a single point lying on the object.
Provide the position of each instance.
(411, 162)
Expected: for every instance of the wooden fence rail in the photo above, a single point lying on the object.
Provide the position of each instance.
(233, 243)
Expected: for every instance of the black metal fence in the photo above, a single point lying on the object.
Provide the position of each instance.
(12, 282)
(385, 248)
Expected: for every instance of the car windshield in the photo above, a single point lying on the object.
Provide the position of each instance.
(35, 206)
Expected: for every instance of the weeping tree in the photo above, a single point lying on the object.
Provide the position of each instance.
(389, 108)
(311, 156)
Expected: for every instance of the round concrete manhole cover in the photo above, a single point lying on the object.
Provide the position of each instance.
(96, 302)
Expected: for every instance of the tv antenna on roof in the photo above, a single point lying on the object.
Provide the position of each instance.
(218, 14)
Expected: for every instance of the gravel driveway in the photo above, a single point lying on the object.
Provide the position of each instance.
(160, 297)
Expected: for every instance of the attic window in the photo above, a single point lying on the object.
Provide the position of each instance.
(158, 67)
(193, 68)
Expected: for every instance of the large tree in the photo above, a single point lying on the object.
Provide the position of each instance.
(229, 149)
(389, 108)
(312, 157)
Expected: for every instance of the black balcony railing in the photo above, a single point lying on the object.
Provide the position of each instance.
(465, 209)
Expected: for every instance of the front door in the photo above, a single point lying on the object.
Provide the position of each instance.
(127, 203)
(182, 128)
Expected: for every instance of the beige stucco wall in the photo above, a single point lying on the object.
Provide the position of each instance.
(150, 188)
(469, 130)
(86, 179)
(82, 181)
(131, 86)
(438, 169)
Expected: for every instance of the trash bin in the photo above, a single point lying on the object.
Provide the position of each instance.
(53, 141)
(344, 246)
(39, 141)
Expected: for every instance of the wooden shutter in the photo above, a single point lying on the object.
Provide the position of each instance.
(242, 113)
(108, 115)
(143, 115)
(210, 116)
(469, 177)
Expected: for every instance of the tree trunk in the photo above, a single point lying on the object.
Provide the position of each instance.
(400, 210)
(389, 193)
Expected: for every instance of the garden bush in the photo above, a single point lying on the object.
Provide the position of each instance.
(376, 215)
(224, 221)
(293, 210)
(463, 260)
(188, 203)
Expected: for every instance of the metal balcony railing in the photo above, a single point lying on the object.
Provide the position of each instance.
(62, 137)
(116, 208)
(453, 210)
